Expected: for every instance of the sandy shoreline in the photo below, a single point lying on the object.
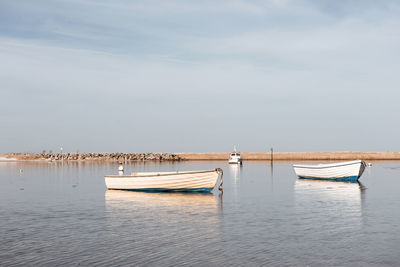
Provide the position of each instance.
(292, 156)
(277, 156)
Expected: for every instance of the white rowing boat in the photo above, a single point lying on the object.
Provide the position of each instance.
(342, 171)
(198, 181)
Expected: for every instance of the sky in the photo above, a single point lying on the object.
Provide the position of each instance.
(199, 76)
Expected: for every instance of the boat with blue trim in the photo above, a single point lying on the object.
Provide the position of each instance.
(193, 181)
(340, 171)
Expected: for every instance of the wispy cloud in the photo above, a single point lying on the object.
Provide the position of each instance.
(304, 68)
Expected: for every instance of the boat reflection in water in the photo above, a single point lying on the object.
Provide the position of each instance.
(165, 227)
(132, 201)
(234, 172)
(329, 200)
(349, 191)
(162, 207)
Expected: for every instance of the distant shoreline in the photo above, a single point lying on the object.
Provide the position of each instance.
(149, 156)
(292, 156)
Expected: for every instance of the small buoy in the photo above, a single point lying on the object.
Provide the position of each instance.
(121, 169)
(369, 164)
(21, 170)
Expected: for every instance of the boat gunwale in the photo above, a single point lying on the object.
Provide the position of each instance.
(158, 175)
(328, 165)
(200, 190)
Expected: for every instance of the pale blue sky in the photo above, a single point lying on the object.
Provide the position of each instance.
(199, 75)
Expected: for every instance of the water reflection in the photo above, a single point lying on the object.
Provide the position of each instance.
(130, 200)
(234, 172)
(130, 204)
(329, 200)
(165, 227)
(348, 191)
(271, 167)
(271, 174)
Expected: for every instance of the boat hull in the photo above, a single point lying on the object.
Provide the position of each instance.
(342, 179)
(201, 181)
(343, 171)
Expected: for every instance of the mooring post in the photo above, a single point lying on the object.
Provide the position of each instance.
(272, 152)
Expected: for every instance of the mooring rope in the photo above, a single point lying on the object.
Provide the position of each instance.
(222, 174)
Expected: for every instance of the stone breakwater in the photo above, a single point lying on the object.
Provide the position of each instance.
(120, 157)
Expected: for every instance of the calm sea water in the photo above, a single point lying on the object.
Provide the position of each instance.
(54, 214)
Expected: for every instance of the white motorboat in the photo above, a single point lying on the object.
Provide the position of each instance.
(341, 171)
(235, 158)
(198, 181)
